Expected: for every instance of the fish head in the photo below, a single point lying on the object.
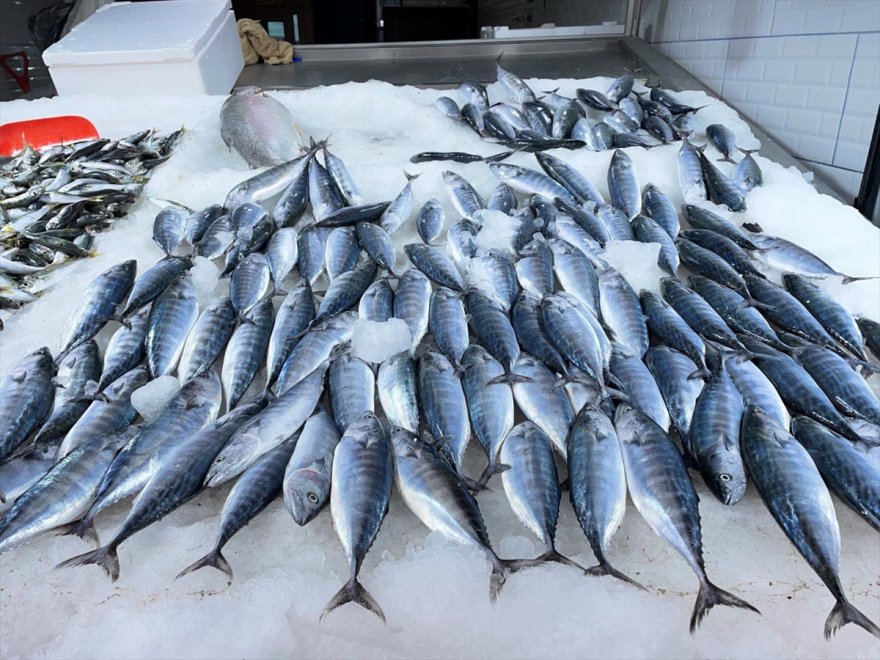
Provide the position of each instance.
(305, 493)
(233, 460)
(727, 480)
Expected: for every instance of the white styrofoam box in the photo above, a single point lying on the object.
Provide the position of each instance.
(824, 16)
(148, 48)
(794, 87)
(705, 60)
(862, 101)
(687, 20)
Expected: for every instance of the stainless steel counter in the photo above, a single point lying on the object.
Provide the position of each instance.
(446, 64)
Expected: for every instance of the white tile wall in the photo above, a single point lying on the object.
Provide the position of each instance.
(806, 71)
(821, 16)
(794, 87)
(703, 59)
(862, 100)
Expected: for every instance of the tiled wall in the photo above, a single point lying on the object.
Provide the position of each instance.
(806, 71)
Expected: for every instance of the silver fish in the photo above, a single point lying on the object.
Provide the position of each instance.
(400, 209)
(377, 303)
(217, 239)
(98, 304)
(207, 340)
(246, 352)
(439, 498)
(195, 406)
(126, 348)
(250, 282)
(435, 265)
(345, 291)
(314, 348)
(662, 491)
(352, 389)
(397, 387)
(324, 197)
(597, 484)
(444, 406)
(543, 401)
(110, 413)
(172, 317)
(448, 324)
(344, 183)
(723, 139)
(80, 369)
(341, 251)
(531, 484)
(623, 185)
(376, 242)
(267, 183)
(169, 227)
(430, 221)
(254, 491)
(490, 404)
(530, 182)
(258, 127)
(26, 395)
(360, 490)
(307, 477)
(176, 481)
(282, 252)
(292, 319)
(639, 385)
(673, 372)
(277, 422)
(464, 198)
(621, 311)
(792, 489)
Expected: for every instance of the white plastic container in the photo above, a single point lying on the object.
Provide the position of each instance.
(150, 48)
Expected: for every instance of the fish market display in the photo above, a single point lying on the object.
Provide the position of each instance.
(53, 203)
(493, 341)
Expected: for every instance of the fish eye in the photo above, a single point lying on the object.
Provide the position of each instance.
(725, 477)
(312, 498)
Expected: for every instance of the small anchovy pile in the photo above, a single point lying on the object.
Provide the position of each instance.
(53, 202)
(521, 336)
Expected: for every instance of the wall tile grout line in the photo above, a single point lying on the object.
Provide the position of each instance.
(773, 18)
(836, 167)
(845, 97)
(766, 36)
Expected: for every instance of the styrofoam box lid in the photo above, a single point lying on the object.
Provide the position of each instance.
(124, 33)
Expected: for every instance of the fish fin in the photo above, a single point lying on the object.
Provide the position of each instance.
(2, 497)
(617, 395)
(729, 444)
(604, 568)
(845, 612)
(699, 374)
(84, 529)
(709, 596)
(501, 570)
(105, 557)
(409, 177)
(353, 592)
(753, 227)
(747, 152)
(849, 280)
(726, 160)
(509, 378)
(491, 470)
(214, 558)
(550, 555)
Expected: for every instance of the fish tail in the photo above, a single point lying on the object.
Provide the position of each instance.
(105, 557)
(726, 160)
(709, 596)
(214, 558)
(491, 470)
(509, 378)
(849, 280)
(353, 592)
(84, 529)
(553, 555)
(501, 570)
(604, 568)
(845, 612)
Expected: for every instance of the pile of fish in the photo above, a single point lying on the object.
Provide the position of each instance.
(53, 202)
(521, 335)
(618, 118)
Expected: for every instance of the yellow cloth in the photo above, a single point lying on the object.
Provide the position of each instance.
(256, 43)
